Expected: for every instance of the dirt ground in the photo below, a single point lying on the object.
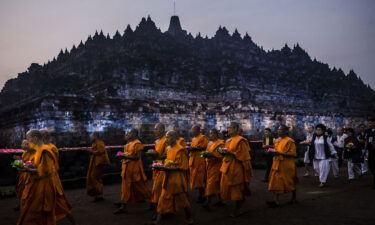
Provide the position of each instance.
(341, 202)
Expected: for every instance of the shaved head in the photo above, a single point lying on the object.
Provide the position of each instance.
(172, 133)
(233, 129)
(131, 135)
(159, 130)
(283, 130)
(34, 136)
(134, 131)
(25, 145)
(172, 137)
(195, 130)
(45, 136)
(214, 134)
(160, 126)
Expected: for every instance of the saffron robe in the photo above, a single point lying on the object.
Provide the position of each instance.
(38, 202)
(134, 181)
(157, 175)
(174, 195)
(22, 175)
(98, 160)
(213, 168)
(283, 177)
(236, 170)
(197, 164)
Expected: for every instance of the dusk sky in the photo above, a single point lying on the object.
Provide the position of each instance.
(338, 32)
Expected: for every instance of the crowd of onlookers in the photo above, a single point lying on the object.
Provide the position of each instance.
(326, 150)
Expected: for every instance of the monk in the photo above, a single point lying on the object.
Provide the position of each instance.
(236, 169)
(39, 195)
(197, 164)
(213, 164)
(23, 175)
(158, 176)
(174, 196)
(134, 186)
(181, 141)
(98, 161)
(63, 207)
(283, 177)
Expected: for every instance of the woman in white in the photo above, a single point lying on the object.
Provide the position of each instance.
(334, 163)
(320, 152)
(306, 160)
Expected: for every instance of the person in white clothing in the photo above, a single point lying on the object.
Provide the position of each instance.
(339, 144)
(320, 152)
(333, 161)
(306, 160)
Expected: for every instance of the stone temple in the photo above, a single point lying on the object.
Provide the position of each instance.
(144, 75)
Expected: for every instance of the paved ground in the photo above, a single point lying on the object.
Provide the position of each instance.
(341, 202)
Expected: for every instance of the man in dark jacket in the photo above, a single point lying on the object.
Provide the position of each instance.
(353, 153)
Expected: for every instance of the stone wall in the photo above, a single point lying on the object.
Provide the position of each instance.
(71, 119)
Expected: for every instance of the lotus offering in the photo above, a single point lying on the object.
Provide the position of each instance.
(170, 164)
(151, 152)
(205, 154)
(271, 150)
(157, 166)
(350, 145)
(20, 164)
(223, 151)
(119, 154)
(305, 142)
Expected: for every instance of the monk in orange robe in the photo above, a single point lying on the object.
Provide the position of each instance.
(98, 161)
(236, 169)
(174, 195)
(283, 177)
(197, 164)
(180, 140)
(213, 164)
(157, 175)
(134, 186)
(63, 207)
(39, 195)
(23, 175)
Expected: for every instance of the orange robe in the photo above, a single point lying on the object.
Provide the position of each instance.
(134, 181)
(39, 196)
(23, 176)
(197, 164)
(181, 141)
(283, 177)
(213, 168)
(63, 207)
(174, 195)
(56, 151)
(236, 170)
(157, 175)
(98, 160)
